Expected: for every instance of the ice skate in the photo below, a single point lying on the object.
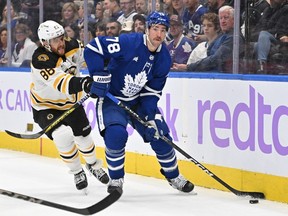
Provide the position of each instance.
(96, 170)
(80, 180)
(114, 184)
(181, 184)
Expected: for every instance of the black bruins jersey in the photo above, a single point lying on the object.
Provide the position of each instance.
(51, 75)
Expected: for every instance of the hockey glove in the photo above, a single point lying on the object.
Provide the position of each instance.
(86, 83)
(101, 84)
(153, 131)
(69, 67)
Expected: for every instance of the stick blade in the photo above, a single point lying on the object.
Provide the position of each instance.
(107, 201)
(256, 195)
(24, 136)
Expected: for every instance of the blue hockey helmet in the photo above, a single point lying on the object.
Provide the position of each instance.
(157, 17)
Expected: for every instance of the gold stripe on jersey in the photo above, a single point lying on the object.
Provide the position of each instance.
(58, 81)
(65, 84)
(71, 52)
(49, 104)
(65, 103)
(61, 83)
(59, 62)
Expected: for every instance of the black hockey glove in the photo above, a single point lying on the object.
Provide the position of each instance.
(86, 83)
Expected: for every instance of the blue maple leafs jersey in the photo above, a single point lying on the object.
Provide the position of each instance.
(138, 75)
(192, 21)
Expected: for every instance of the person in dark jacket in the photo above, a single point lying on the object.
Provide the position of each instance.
(271, 28)
(219, 56)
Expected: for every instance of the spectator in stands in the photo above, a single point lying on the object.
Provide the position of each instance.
(280, 56)
(53, 9)
(14, 17)
(90, 16)
(91, 32)
(128, 8)
(99, 12)
(24, 47)
(254, 13)
(192, 19)
(219, 56)
(141, 7)
(139, 22)
(72, 31)
(211, 28)
(159, 6)
(113, 28)
(272, 27)
(214, 5)
(180, 47)
(178, 6)
(3, 46)
(100, 29)
(112, 9)
(168, 8)
(29, 15)
(69, 13)
(126, 27)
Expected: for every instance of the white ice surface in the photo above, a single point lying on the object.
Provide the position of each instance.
(48, 179)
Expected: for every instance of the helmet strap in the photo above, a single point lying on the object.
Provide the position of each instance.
(46, 45)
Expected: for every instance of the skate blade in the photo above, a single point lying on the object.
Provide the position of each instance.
(193, 193)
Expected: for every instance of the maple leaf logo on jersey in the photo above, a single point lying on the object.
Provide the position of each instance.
(133, 86)
(186, 47)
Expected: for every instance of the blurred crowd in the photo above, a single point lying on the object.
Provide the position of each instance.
(200, 38)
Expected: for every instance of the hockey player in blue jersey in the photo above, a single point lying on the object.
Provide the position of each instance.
(137, 72)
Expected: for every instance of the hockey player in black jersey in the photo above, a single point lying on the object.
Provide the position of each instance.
(56, 86)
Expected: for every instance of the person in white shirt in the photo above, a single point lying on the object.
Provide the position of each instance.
(24, 46)
(128, 8)
(211, 28)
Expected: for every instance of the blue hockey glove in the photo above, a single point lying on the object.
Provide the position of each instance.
(153, 131)
(101, 84)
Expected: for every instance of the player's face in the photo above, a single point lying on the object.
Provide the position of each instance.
(58, 45)
(156, 34)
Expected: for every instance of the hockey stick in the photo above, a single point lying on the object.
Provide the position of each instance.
(259, 195)
(52, 124)
(102, 204)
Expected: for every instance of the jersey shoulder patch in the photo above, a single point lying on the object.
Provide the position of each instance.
(42, 58)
